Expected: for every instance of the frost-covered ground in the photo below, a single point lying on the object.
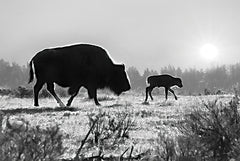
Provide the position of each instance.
(149, 118)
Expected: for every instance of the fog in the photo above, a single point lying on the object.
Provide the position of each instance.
(145, 34)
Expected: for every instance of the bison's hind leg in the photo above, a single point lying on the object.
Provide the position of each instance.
(37, 88)
(50, 88)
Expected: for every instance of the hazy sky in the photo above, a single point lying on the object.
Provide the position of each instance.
(141, 33)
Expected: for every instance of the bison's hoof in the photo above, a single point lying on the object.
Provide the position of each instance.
(69, 104)
(97, 103)
(145, 103)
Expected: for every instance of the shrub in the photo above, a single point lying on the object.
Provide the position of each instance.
(110, 130)
(23, 92)
(219, 92)
(44, 93)
(211, 132)
(166, 148)
(4, 92)
(207, 92)
(30, 143)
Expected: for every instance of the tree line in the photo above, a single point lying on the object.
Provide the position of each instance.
(195, 81)
(219, 79)
(12, 75)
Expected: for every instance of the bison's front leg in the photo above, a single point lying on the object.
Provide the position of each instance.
(92, 92)
(96, 101)
(71, 99)
(73, 91)
(149, 90)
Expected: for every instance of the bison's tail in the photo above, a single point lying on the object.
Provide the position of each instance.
(30, 72)
(148, 80)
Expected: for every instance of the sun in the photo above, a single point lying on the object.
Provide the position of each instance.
(209, 52)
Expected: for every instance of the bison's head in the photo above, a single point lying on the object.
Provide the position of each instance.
(179, 82)
(119, 81)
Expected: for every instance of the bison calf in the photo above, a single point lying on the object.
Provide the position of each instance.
(165, 81)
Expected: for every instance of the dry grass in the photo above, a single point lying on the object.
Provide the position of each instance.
(149, 118)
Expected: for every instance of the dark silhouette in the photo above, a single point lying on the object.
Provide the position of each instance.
(165, 81)
(77, 66)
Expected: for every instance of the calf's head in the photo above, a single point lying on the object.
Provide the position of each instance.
(118, 80)
(178, 82)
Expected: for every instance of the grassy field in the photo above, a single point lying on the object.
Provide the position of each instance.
(149, 119)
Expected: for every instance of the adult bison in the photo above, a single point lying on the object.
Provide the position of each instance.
(165, 81)
(76, 66)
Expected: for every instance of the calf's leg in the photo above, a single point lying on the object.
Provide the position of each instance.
(146, 94)
(148, 90)
(173, 93)
(166, 93)
(150, 93)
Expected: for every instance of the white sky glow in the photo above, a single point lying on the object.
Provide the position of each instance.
(146, 34)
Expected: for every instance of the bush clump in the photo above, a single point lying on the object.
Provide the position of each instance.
(22, 92)
(23, 142)
(211, 132)
(4, 92)
(110, 130)
(25, 92)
